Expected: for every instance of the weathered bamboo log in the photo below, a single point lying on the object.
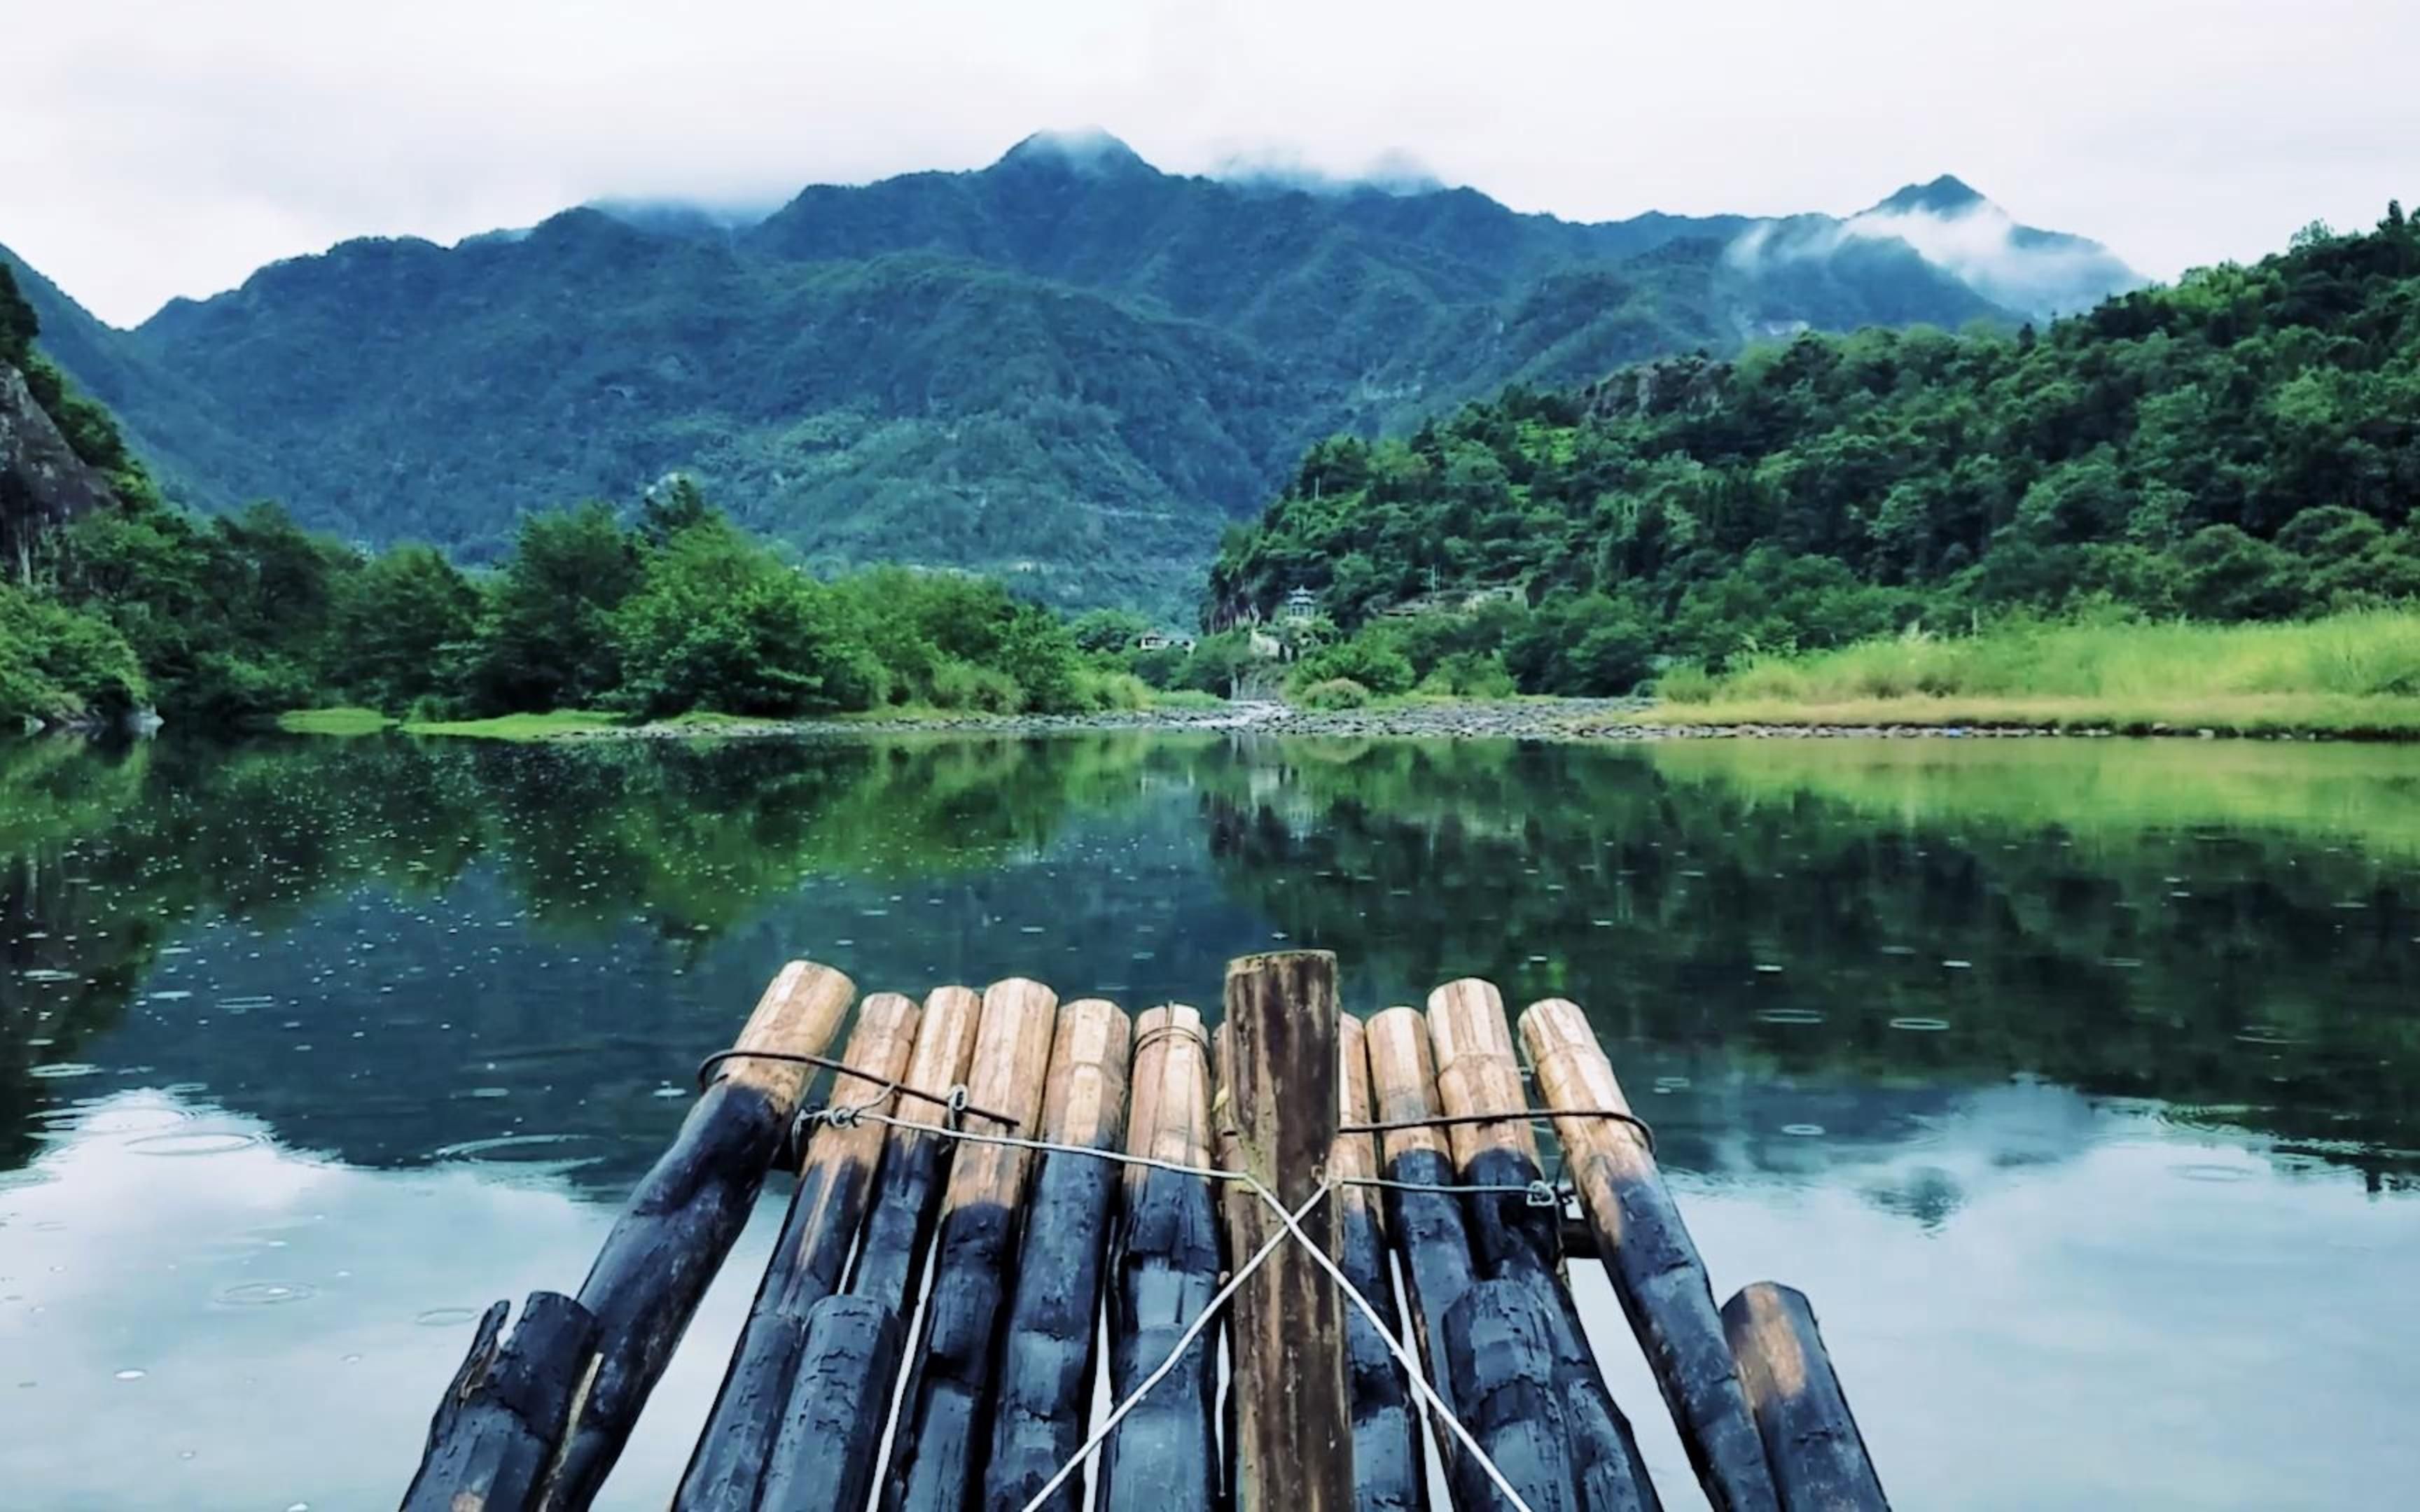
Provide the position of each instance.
(1388, 1471)
(1500, 1335)
(1164, 1457)
(1293, 1432)
(680, 1223)
(1650, 1260)
(1043, 1404)
(936, 1460)
(1233, 1197)
(906, 1195)
(840, 1401)
(1811, 1441)
(824, 1458)
(726, 1470)
(1427, 1226)
(1513, 1238)
(496, 1430)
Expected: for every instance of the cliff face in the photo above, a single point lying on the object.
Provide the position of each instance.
(43, 483)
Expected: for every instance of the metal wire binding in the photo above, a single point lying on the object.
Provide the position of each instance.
(1448, 1121)
(955, 1101)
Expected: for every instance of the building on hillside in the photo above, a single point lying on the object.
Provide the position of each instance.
(1300, 603)
(1163, 640)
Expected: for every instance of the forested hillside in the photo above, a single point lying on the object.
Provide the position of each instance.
(1068, 368)
(113, 601)
(2242, 446)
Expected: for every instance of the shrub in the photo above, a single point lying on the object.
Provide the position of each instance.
(1334, 694)
(962, 684)
(1377, 667)
(1686, 682)
(1471, 675)
(56, 663)
(1100, 689)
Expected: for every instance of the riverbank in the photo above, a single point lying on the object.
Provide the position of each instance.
(2276, 716)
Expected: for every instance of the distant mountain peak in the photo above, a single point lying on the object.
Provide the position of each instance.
(1946, 196)
(1086, 149)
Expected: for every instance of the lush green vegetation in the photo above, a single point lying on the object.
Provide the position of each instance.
(2242, 446)
(242, 617)
(652, 622)
(1067, 372)
(2353, 673)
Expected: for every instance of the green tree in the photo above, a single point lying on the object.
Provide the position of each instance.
(1108, 631)
(405, 623)
(547, 640)
(721, 624)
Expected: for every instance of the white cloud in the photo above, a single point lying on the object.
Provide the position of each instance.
(151, 147)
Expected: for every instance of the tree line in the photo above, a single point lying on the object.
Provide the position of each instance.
(230, 620)
(2244, 445)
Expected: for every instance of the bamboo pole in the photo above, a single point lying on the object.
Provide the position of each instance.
(1163, 1458)
(1293, 1435)
(1427, 1226)
(673, 1234)
(1515, 1239)
(1047, 1362)
(935, 1456)
(1819, 1457)
(1650, 1260)
(1501, 1336)
(906, 1196)
(1387, 1471)
(726, 1470)
(495, 1431)
(824, 1458)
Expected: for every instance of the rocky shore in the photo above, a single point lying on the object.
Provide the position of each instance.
(1575, 719)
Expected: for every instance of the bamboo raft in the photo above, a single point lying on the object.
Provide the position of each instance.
(1000, 1186)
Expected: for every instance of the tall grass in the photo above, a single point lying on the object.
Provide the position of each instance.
(2349, 671)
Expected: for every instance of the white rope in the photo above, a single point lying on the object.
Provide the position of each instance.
(1048, 1147)
(1395, 1345)
(843, 1116)
(1184, 1342)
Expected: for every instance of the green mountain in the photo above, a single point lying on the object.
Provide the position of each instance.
(1067, 368)
(2244, 445)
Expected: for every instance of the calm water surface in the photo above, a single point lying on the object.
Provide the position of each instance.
(2078, 1083)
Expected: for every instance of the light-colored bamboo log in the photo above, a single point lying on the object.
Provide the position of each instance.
(1293, 1432)
(1649, 1256)
(1812, 1440)
(1478, 1071)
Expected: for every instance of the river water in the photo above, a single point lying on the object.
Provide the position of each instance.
(2078, 1083)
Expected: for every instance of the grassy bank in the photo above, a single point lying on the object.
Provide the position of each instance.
(572, 723)
(2098, 791)
(2348, 675)
(356, 721)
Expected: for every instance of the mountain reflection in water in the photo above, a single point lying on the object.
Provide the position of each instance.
(2050, 1070)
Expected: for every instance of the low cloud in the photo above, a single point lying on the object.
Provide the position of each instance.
(1395, 171)
(2032, 272)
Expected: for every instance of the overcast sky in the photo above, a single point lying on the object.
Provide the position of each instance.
(157, 148)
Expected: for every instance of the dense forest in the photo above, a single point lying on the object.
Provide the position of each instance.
(231, 619)
(1067, 368)
(2244, 445)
